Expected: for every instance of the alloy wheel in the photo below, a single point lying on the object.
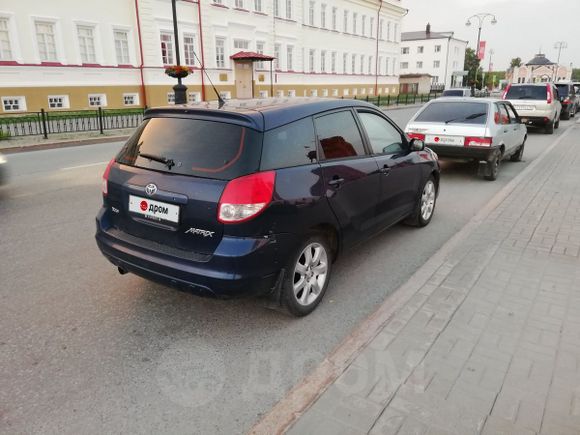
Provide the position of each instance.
(428, 200)
(310, 274)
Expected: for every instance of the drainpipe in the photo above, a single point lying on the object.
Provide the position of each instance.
(377, 50)
(202, 52)
(140, 53)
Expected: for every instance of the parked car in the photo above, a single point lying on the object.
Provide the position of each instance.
(577, 87)
(568, 98)
(259, 197)
(485, 130)
(538, 104)
(457, 92)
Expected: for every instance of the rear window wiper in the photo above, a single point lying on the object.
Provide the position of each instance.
(466, 118)
(161, 159)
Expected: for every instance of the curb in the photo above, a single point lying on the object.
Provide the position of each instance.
(297, 401)
(64, 144)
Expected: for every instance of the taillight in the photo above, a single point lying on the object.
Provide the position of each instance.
(246, 197)
(507, 89)
(567, 101)
(419, 136)
(105, 185)
(549, 92)
(478, 141)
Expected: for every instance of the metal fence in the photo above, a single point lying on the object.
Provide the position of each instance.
(397, 100)
(46, 123)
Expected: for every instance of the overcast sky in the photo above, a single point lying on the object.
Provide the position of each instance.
(523, 26)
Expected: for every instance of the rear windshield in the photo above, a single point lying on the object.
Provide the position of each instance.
(563, 90)
(454, 113)
(525, 92)
(194, 147)
(454, 93)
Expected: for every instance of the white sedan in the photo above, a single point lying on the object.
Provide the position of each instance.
(482, 129)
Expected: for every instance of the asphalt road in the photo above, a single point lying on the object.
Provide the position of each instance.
(86, 350)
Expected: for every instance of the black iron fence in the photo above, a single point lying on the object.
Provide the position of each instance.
(397, 100)
(46, 123)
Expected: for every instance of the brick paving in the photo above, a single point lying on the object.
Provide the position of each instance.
(490, 343)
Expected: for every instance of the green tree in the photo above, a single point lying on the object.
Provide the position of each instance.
(516, 61)
(576, 74)
(472, 66)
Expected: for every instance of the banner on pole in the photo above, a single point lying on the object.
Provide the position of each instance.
(481, 50)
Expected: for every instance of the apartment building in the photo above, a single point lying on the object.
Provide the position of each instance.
(70, 55)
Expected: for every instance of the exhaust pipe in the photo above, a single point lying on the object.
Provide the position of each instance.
(122, 271)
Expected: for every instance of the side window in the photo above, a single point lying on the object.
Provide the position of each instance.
(512, 114)
(339, 135)
(384, 138)
(293, 144)
(501, 116)
(556, 93)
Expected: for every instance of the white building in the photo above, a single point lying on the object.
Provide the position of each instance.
(68, 54)
(438, 54)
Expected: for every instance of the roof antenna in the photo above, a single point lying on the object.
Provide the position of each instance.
(221, 101)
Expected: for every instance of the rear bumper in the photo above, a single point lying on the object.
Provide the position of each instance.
(468, 153)
(538, 121)
(239, 266)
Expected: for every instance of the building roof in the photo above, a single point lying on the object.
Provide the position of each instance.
(418, 36)
(540, 59)
(259, 114)
(250, 55)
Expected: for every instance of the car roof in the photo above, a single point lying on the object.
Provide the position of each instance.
(465, 100)
(261, 114)
(513, 85)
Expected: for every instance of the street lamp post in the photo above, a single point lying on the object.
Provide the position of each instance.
(560, 45)
(179, 89)
(480, 20)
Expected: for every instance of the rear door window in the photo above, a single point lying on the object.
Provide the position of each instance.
(339, 135)
(383, 136)
(504, 118)
(452, 93)
(527, 92)
(193, 147)
(512, 113)
(454, 112)
(563, 90)
(293, 144)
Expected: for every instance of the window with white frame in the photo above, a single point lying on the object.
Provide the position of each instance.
(46, 40)
(171, 98)
(122, 47)
(277, 56)
(394, 65)
(435, 79)
(292, 93)
(334, 18)
(387, 60)
(404, 65)
(289, 8)
(396, 33)
(131, 99)
(58, 102)
(362, 63)
(381, 25)
(420, 49)
(97, 100)
(419, 65)
(405, 50)
(86, 35)
(276, 8)
(263, 94)
(258, 5)
(323, 16)
(241, 44)
(371, 26)
(388, 30)
(14, 104)
(354, 20)
(193, 97)
(333, 62)
(344, 61)
(437, 49)
(311, 13)
(279, 94)
(311, 60)
(354, 91)
(353, 63)
(166, 48)
(218, 2)
(189, 49)
(380, 65)
(436, 64)
(5, 45)
(325, 92)
(239, 4)
(345, 22)
(289, 57)
(323, 61)
(363, 25)
(335, 92)
(220, 54)
(370, 69)
(314, 92)
(345, 91)
(455, 65)
(260, 50)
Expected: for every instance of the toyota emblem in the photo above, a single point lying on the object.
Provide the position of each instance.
(150, 189)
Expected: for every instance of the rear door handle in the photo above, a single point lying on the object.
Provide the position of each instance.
(336, 181)
(385, 170)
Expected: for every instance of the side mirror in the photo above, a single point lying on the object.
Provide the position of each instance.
(417, 145)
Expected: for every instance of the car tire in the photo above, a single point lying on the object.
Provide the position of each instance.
(549, 129)
(493, 166)
(565, 116)
(299, 295)
(425, 206)
(519, 154)
(557, 124)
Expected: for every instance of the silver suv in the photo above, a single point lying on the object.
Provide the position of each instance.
(537, 104)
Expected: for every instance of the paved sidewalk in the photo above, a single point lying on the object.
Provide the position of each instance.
(490, 343)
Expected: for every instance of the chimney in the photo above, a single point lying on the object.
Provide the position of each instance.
(428, 29)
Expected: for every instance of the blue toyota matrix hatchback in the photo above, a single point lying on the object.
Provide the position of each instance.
(259, 196)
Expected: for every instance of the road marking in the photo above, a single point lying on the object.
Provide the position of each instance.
(83, 166)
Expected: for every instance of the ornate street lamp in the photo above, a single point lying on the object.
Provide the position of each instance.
(480, 18)
(179, 89)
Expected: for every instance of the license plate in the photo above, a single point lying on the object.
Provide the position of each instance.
(445, 140)
(524, 107)
(155, 210)
(524, 120)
